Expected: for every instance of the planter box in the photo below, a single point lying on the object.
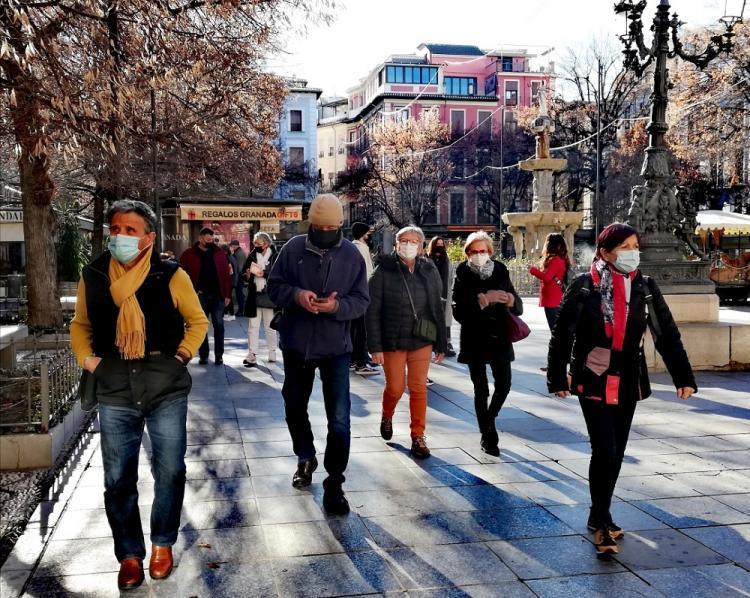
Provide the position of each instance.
(33, 451)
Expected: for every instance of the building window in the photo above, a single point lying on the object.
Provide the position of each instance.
(484, 125)
(457, 158)
(458, 123)
(429, 204)
(330, 150)
(296, 158)
(511, 93)
(457, 208)
(490, 85)
(411, 74)
(484, 207)
(295, 120)
(510, 120)
(507, 64)
(536, 87)
(460, 86)
(483, 159)
(341, 147)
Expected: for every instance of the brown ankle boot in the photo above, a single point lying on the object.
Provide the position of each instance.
(419, 447)
(131, 573)
(161, 563)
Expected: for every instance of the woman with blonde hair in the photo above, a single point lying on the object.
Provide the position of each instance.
(482, 296)
(405, 325)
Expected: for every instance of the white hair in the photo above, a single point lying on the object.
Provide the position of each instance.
(411, 229)
(479, 235)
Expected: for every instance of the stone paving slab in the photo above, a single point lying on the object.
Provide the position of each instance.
(462, 523)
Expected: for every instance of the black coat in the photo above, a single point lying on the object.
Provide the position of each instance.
(389, 304)
(580, 328)
(484, 332)
(251, 307)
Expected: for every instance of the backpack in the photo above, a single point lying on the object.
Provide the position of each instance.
(567, 278)
(651, 318)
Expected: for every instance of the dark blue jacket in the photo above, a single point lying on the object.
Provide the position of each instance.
(300, 266)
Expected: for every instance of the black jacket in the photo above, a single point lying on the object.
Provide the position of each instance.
(251, 307)
(389, 304)
(580, 328)
(484, 332)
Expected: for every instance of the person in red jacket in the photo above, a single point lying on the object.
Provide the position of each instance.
(209, 270)
(555, 263)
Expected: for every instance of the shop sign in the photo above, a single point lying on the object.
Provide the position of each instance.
(270, 226)
(217, 212)
(11, 216)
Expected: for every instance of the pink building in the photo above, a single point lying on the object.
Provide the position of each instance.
(467, 86)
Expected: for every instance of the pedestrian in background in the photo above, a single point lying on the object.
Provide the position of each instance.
(600, 332)
(234, 272)
(405, 325)
(258, 305)
(239, 288)
(554, 263)
(361, 234)
(137, 323)
(482, 295)
(319, 281)
(438, 253)
(209, 271)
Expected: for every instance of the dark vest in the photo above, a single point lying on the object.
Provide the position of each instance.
(165, 327)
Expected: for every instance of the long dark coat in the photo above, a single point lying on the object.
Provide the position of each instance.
(484, 332)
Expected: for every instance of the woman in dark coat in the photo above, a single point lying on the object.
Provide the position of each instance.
(482, 296)
(600, 331)
(405, 288)
(258, 307)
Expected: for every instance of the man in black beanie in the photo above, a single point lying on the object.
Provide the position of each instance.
(360, 357)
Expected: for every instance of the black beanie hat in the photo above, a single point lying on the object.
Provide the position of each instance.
(359, 230)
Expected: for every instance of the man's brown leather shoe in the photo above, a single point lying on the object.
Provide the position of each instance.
(131, 573)
(161, 563)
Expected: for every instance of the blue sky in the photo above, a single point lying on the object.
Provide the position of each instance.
(365, 32)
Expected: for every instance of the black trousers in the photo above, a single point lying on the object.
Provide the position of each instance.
(358, 332)
(486, 413)
(609, 428)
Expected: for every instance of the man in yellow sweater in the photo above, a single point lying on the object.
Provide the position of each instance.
(137, 323)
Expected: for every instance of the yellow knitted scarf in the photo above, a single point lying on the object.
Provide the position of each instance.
(131, 325)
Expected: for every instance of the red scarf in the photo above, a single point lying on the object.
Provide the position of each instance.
(614, 328)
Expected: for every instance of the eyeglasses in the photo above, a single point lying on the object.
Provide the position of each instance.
(477, 251)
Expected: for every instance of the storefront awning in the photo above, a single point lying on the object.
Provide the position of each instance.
(729, 222)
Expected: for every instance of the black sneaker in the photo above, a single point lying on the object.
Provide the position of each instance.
(614, 530)
(219, 361)
(335, 502)
(303, 476)
(203, 360)
(604, 543)
(490, 448)
(450, 352)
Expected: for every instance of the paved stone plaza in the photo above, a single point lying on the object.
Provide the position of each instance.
(461, 523)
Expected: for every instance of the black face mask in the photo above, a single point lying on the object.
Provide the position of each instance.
(324, 239)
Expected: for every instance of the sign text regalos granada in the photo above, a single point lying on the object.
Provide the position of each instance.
(217, 212)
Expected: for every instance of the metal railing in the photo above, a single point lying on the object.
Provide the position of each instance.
(527, 285)
(41, 389)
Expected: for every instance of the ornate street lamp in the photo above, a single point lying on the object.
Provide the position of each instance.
(656, 209)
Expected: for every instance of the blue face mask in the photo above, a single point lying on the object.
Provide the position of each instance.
(123, 248)
(627, 260)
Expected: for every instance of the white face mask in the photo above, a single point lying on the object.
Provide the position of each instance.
(407, 251)
(479, 259)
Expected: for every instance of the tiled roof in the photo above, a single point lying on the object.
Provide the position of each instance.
(455, 50)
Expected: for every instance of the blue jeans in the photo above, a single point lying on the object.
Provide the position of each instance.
(121, 434)
(299, 376)
(213, 306)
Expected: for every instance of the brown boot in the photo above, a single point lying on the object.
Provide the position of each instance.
(419, 447)
(131, 573)
(605, 544)
(161, 563)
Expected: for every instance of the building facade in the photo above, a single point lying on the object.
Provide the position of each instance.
(470, 89)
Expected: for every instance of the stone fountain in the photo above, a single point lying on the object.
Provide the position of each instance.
(530, 229)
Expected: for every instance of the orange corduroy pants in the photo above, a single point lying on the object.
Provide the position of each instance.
(407, 369)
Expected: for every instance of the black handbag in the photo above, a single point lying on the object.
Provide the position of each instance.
(87, 390)
(263, 300)
(423, 328)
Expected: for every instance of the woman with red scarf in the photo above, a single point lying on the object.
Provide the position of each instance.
(600, 330)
